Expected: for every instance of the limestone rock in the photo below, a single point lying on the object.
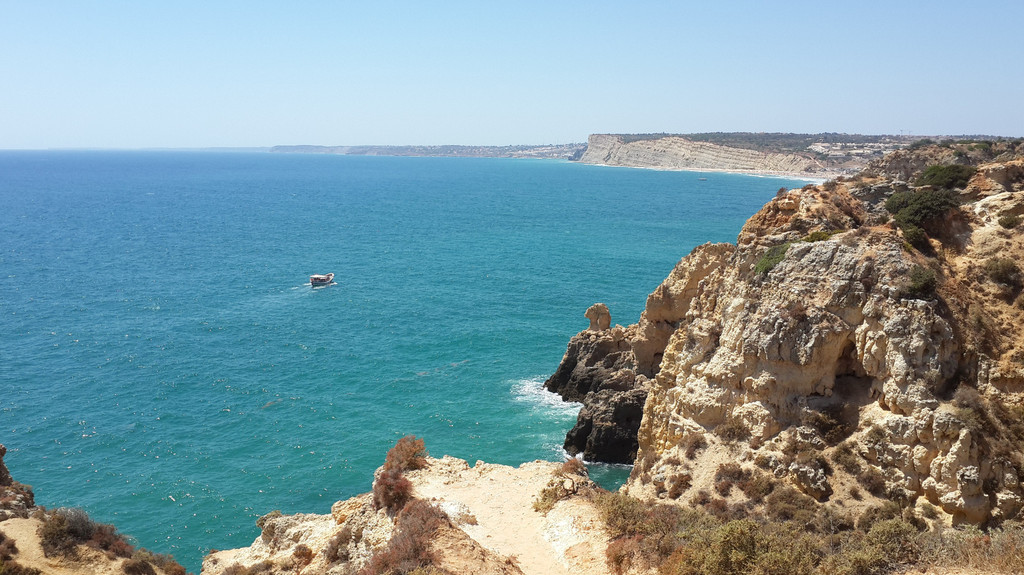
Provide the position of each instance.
(599, 316)
(488, 526)
(811, 479)
(675, 152)
(830, 334)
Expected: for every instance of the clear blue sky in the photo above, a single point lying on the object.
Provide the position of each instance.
(186, 73)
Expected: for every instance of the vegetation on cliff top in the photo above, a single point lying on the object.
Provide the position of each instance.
(64, 529)
(793, 537)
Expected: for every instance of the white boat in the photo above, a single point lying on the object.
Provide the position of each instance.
(321, 279)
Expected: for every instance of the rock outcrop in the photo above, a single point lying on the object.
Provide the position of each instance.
(600, 370)
(675, 153)
(487, 525)
(823, 330)
(16, 499)
(88, 548)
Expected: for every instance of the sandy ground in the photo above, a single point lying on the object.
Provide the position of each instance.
(570, 539)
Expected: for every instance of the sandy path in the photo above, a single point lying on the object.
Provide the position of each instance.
(569, 540)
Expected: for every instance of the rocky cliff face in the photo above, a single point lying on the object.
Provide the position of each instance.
(824, 336)
(674, 152)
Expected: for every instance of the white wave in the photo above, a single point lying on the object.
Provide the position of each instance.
(531, 391)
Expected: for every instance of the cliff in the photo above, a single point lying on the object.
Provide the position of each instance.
(825, 350)
(679, 153)
(34, 541)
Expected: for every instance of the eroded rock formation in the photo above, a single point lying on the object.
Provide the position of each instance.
(675, 152)
(834, 332)
(822, 329)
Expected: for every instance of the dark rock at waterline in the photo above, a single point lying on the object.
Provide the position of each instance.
(599, 370)
(607, 425)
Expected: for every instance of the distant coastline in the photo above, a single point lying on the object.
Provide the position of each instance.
(812, 157)
(547, 151)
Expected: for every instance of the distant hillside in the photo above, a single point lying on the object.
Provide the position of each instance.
(549, 151)
(803, 154)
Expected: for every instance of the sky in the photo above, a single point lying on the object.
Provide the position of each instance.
(183, 73)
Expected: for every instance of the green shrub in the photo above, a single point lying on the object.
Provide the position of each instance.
(622, 514)
(1009, 221)
(743, 546)
(787, 504)
(883, 512)
(165, 563)
(66, 528)
(1003, 271)
(895, 538)
(55, 536)
(916, 237)
(549, 496)
(921, 283)
(771, 258)
(946, 176)
(818, 236)
(917, 208)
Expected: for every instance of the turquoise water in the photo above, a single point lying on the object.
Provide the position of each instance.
(165, 365)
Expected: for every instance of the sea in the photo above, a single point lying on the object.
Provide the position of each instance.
(166, 365)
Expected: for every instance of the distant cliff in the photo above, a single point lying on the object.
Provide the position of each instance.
(679, 153)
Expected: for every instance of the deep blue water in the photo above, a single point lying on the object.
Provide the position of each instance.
(165, 365)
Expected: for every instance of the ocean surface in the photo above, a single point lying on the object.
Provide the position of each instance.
(165, 364)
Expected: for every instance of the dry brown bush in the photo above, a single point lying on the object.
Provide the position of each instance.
(7, 547)
(693, 444)
(574, 466)
(392, 490)
(409, 548)
(408, 453)
(137, 567)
